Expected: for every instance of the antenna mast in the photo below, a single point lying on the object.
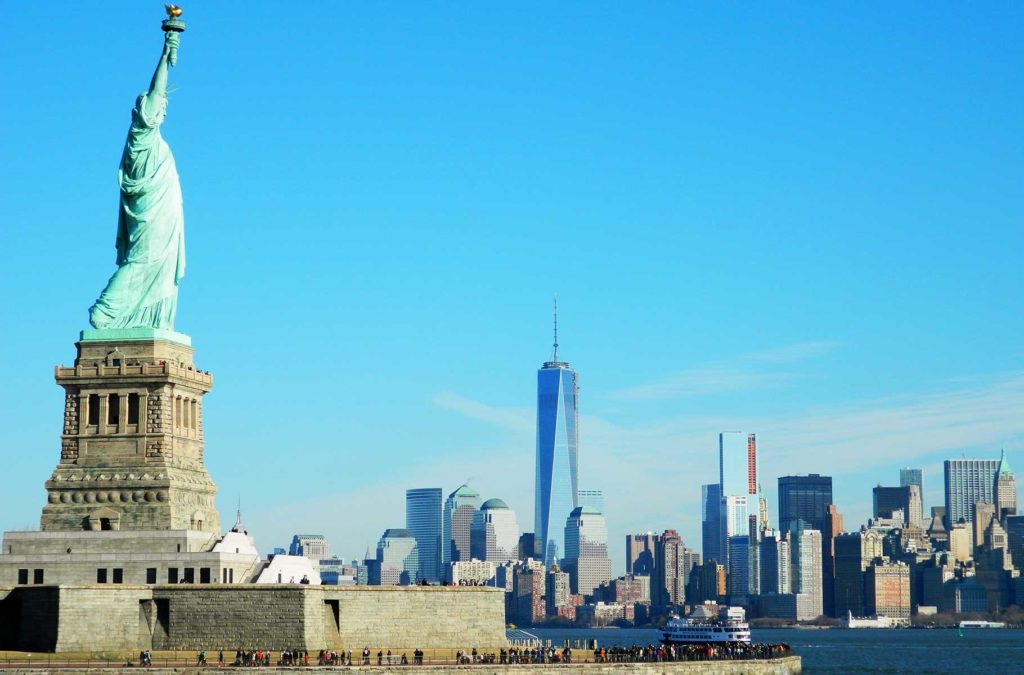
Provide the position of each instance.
(556, 328)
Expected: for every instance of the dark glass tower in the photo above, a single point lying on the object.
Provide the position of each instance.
(711, 526)
(557, 477)
(423, 520)
(804, 498)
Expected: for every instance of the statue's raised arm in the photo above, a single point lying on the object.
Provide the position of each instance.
(143, 292)
(158, 85)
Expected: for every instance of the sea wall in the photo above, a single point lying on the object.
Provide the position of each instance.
(789, 665)
(249, 616)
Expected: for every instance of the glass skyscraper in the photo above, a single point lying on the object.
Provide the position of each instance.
(557, 477)
(804, 498)
(711, 523)
(968, 481)
(423, 520)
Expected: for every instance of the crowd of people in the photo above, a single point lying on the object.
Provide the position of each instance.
(691, 652)
(510, 656)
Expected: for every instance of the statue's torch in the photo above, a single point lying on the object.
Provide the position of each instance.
(173, 24)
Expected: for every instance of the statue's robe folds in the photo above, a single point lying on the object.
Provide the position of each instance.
(150, 231)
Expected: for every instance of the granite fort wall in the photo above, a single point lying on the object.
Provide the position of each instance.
(428, 617)
(789, 665)
(249, 616)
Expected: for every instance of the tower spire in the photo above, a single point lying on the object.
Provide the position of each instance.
(238, 518)
(555, 359)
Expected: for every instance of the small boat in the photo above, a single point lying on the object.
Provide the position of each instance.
(705, 625)
(982, 624)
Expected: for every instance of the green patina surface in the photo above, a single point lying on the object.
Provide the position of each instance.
(139, 333)
(150, 242)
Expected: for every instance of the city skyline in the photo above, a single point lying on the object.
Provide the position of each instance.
(820, 249)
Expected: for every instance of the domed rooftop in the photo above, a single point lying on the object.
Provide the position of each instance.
(584, 510)
(464, 491)
(493, 504)
(396, 532)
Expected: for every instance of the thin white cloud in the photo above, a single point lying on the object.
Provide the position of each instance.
(703, 381)
(794, 353)
(747, 372)
(515, 419)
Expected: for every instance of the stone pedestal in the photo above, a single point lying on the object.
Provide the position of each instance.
(132, 442)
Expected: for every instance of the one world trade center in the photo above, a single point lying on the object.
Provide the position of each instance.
(557, 480)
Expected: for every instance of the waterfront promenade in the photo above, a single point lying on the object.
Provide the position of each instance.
(786, 665)
(763, 660)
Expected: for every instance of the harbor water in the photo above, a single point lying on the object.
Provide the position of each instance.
(933, 652)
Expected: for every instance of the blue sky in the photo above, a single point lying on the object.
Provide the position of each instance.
(802, 220)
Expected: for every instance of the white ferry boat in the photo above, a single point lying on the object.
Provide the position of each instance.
(704, 625)
(982, 624)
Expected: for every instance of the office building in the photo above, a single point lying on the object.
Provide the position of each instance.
(967, 482)
(711, 526)
(804, 498)
(312, 546)
(775, 562)
(905, 499)
(423, 519)
(586, 550)
(557, 591)
(527, 545)
(494, 534)
(984, 514)
(625, 590)
(669, 581)
(557, 466)
(456, 524)
(397, 561)
(888, 590)
(336, 572)
(806, 572)
(472, 573)
(938, 535)
(691, 559)
(855, 551)
(1005, 490)
(915, 477)
(833, 527)
(1015, 541)
(961, 541)
(709, 583)
(738, 579)
(527, 602)
(640, 550)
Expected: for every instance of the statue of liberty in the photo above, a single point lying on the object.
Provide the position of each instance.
(143, 292)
